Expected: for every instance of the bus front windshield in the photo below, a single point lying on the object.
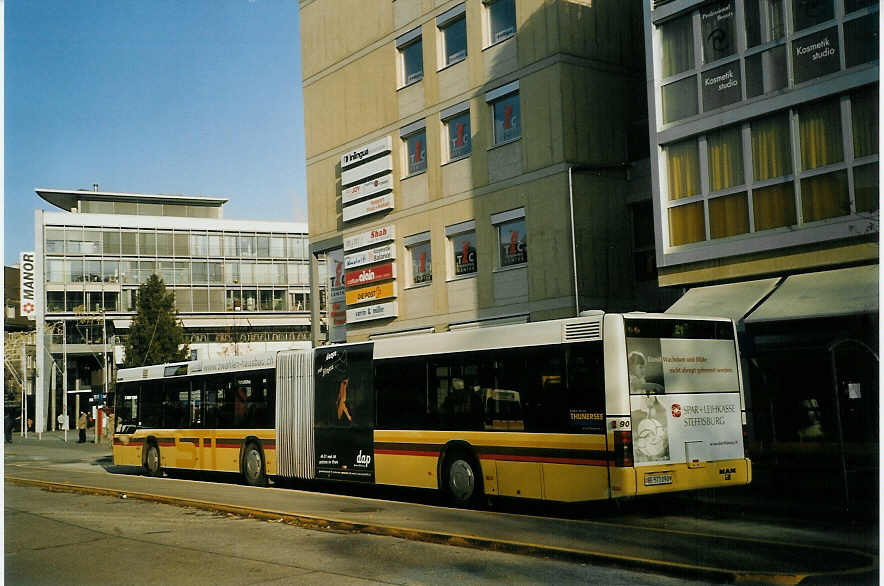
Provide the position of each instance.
(667, 356)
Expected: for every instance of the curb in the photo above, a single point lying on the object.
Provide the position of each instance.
(451, 539)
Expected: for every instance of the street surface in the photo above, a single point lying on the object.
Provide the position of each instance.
(54, 537)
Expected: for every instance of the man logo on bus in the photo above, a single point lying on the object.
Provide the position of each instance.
(676, 410)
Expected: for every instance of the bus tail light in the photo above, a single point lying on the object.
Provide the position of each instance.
(622, 448)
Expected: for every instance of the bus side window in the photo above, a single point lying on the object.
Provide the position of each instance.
(402, 394)
(152, 404)
(586, 388)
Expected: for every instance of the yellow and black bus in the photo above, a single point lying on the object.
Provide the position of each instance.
(593, 407)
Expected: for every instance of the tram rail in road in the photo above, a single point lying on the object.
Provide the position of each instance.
(700, 554)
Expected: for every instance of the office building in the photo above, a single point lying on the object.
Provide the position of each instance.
(764, 157)
(240, 286)
(477, 162)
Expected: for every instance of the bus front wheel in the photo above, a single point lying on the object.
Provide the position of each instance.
(152, 461)
(462, 481)
(253, 465)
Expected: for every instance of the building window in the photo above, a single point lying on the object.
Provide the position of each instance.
(718, 26)
(766, 71)
(462, 246)
(864, 114)
(865, 185)
(501, 18)
(725, 150)
(453, 28)
(819, 128)
(686, 224)
(456, 121)
(771, 147)
(505, 111)
(807, 13)
(512, 237)
(765, 21)
(419, 253)
(414, 139)
(683, 168)
(679, 99)
(411, 57)
(728, 215)
(677, 40)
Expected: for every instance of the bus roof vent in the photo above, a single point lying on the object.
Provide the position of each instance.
(584, 330)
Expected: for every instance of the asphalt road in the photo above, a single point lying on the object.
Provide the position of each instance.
(62, 538)
(629, 544)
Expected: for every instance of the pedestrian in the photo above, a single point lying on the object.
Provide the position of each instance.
(81, 427)
(110, 428)
(7, 427)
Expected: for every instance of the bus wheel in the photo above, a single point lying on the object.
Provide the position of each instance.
(462, 482)
(152, 461)
(253, 465)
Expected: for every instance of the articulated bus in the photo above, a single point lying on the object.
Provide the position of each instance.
(593, 407)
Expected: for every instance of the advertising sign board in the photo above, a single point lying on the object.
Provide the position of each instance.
(370, 312)
(344, 412)
(370, 238)
(367, 207)
(370, 256)
(368, 275)
(357, 192)
(359, 154)
(337, 328)
(28, 305)
(373, 167)
(371, 293)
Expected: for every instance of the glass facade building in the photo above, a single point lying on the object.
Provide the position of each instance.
(240, 286)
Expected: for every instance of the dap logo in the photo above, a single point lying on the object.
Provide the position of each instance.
(676, 410)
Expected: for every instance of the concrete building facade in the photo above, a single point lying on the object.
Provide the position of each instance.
(476, 162)
(765, 172)
(240, 286)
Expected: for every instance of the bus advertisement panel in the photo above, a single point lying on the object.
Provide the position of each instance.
(690, 427)
(344, 416)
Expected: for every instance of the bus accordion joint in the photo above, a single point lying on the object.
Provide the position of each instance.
(622, 448)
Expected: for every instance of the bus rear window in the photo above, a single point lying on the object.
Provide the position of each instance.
(680, 356)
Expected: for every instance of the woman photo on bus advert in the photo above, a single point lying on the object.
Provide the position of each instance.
(637, 377)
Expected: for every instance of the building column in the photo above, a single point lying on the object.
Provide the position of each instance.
(41, 380)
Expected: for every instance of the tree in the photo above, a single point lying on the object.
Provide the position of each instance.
(156, 334)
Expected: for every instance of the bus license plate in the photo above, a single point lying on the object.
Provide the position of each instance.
(658, 479)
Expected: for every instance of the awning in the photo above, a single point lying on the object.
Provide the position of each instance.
(834, 293)
(240, 320)
(733, 300)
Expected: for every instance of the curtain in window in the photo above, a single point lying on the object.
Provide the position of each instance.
(865, 187)
(819, 127)
(677, 39)
(824, 196)
(728, 215)
(774, 206)
(864, 110)
(771, 147)
(725, 158)
(686, 224)
(683, 160)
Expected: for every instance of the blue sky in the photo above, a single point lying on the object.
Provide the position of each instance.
(196, 97)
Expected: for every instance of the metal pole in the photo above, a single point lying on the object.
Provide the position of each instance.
(64, 378)
(838, 424)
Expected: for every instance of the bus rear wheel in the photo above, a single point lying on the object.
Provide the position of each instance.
(253, 465)
(152, 461)
(462, 482)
